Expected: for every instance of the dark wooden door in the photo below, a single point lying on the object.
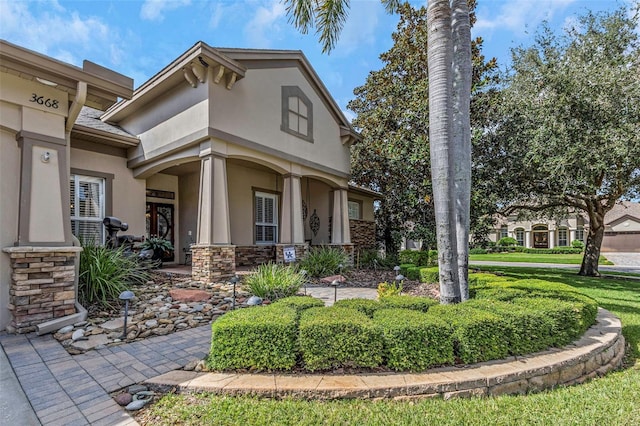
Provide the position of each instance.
(160, 224)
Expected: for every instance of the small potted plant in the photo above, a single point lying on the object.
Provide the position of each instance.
(161, 248)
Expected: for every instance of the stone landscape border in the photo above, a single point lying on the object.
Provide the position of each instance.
(598, 351)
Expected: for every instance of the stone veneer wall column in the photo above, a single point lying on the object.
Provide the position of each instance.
(363, 234)
(301, 251)
(42, 285)
(212, 263)
(348, 249)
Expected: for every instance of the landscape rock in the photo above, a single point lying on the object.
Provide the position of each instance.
(134, 389)
(186, 295)
(136, 405)
(254, 300)
(124, 398)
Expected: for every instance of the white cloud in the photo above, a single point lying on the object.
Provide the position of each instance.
(266, 24)
(153, 10)
(64, 35)
(518, 15)
(360, 28)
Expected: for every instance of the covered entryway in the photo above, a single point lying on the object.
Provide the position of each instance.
(540, 236)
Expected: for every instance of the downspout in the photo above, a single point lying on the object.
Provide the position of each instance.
(81, 312)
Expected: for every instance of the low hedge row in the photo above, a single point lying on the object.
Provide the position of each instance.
(504, 317)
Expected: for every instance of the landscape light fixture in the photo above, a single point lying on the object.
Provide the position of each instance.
(335, 284)
(234, 281)
(304, 275)
(126, 296)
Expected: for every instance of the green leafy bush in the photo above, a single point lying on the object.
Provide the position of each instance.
(527, 330)
(413, 341)
(567, 318)
(413, 273)
(339, 337)
(404, 268)
(366, 306)
(414, 303)
(478, 250)
(555, 250)
(507, 241)
(324, 261)
(259, 338)
(430, 275)
(105, 273)
(415, 257)
(497, 293)
(481, 278)
(478, 335)
(272, 281)
(577, 244)
(386, 289)
(299, 303)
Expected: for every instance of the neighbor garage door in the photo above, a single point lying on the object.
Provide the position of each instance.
(621, 242)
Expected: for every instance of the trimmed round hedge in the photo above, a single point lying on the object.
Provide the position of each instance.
(404, 333)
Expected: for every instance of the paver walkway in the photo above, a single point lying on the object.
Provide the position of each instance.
(74, 390)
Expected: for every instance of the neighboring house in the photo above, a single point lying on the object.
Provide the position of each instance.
(231, 154)
(622, 230)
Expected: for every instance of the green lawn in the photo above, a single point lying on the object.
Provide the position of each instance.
(611, 400)
(566, 259)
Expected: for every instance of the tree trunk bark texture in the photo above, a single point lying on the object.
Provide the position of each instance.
(440, 58)
(591, 256)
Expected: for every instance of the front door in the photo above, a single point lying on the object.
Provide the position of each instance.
(160, 224)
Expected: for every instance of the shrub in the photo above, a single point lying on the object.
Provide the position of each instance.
(555, 250)
(339, 337)
(105, 273)
(408, 302)
(413, 341)
(386, 289)
(497, 293)
(323, 261)
(366, 306)
(478, 335)
(567, 317)
(478, 251)
(259, 338)
(507, 241)
(272, 281)
(433, 257)
(369, 259)
(404, 268)
(415, 257)
(430, 275)
(482, 278)
(299, 303)
(527, 330)
(577, 244)
(413, 273)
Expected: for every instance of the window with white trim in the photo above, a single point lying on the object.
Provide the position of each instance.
(504, 231)
(563, 241)
(266, 216)
(355, 211)
(87, 196)
(580, 233)
(520, 236)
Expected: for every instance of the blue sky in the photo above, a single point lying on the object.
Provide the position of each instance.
(139, 37)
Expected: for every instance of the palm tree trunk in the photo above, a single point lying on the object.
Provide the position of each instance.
(439, 54)
(461, 33)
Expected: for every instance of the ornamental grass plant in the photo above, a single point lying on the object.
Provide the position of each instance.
(323, 261)
(272, 281)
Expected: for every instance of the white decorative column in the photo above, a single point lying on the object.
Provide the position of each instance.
(292, 229)
(527, 239)
(213, 256)
(572, 236)
(552, 238)
(340, 225)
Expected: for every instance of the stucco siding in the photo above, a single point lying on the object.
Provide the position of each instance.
(258, 118)
(128, 196)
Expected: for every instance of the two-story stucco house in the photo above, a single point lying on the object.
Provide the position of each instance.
(231, 154)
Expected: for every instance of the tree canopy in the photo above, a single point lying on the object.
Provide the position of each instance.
(566, 132)
(392, 110)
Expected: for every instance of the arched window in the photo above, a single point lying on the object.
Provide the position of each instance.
(540, 236)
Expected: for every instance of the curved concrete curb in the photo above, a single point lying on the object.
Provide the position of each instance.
(599, 351)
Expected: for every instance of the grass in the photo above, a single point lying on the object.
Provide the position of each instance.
(565, 259)
(611, 400)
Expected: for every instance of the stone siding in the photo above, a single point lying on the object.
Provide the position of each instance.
(211, 264)
(42, 285)
(363, 234)
(255, 255)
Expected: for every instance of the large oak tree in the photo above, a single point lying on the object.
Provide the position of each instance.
(567, 130)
